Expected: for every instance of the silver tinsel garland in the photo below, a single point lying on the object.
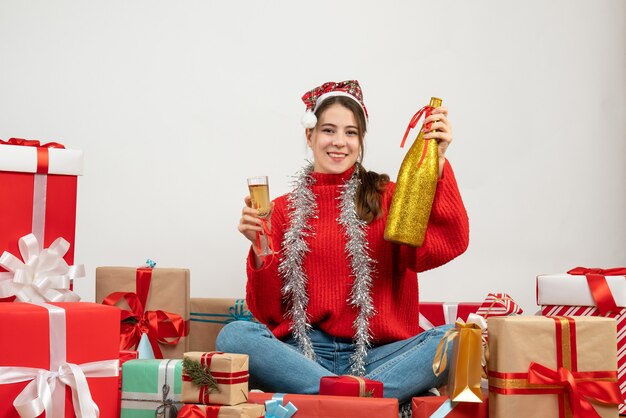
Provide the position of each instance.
(302, 206)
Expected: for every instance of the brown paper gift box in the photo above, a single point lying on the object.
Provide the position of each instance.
(244, 410)
(169, 292)
(209, 315)
(230, 372)
(516, 342)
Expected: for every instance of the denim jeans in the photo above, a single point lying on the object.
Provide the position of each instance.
(404, 367)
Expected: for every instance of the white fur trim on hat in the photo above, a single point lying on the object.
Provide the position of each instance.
(309, 120)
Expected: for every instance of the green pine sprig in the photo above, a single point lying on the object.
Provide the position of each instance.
(200, 375)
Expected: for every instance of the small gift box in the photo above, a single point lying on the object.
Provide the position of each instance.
(552, 367)
(315, 406)
(442, 406)
(434, 314)
(244, 410)
(38, 182)
(151, 388)
(209, 315)
(350, 386)
(60, 359)
(215, 378)
(156, 306)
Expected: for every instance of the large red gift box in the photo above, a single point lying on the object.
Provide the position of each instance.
(315, 406)
(38, 187)
(71, 346)
(351, 386)
(426, 406)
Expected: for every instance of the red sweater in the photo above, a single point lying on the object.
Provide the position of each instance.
(394, 288)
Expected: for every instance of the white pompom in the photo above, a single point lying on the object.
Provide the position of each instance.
(309, 120)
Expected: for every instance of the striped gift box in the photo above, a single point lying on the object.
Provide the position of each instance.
(620, 317)
(229, 372)
(498, 304)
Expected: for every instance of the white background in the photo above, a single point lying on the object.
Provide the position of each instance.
(175, 103)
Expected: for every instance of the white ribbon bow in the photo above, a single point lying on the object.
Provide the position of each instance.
(43, 276)
(37, 395)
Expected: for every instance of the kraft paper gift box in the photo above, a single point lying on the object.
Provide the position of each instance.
(38, 185)
(45, 346)
(350, 386)
(209, 315)
(227, 372)
(244, 410)
(589, 292)
(163, 294)
(315, 406)
(151, 387)
(442, 406)
(552, 367)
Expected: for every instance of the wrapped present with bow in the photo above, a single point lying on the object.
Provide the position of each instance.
(553, 367)
(208, 316)
(586, 291)
(41, 275)
(155, 303)
(315, 406)
(351, 386)
(467, 359)
(151, 388)
(39, 184)
(215, 378)
(244, 410)
(60, 359)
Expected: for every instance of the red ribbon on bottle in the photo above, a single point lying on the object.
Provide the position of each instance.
(162, 327)
(426, 111)
(599, 287)
(580, 387)
(42, 150)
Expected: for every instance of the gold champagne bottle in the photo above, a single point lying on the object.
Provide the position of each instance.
(415, 191)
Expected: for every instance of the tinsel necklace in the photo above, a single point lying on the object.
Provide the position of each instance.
(302, 206)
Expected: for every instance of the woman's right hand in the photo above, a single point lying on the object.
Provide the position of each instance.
(250, 223)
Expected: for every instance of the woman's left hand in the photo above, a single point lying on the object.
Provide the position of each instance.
(439, 130)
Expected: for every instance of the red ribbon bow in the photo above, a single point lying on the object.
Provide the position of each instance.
(598, 285)
(42, 150)
(161, 327)
(426, 110)
(579, 391)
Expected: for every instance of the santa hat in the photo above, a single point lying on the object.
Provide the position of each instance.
(313, 98)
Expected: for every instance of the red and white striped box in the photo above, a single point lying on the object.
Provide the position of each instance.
(620, 317)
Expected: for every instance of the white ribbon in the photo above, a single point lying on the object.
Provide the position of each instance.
(43, 276)
(46, 389)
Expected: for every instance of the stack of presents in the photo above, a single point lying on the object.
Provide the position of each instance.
(146, 349)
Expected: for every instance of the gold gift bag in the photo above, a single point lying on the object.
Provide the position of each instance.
(465, 361)
(415, 187)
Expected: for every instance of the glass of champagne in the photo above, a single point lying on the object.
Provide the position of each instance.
(260, 197)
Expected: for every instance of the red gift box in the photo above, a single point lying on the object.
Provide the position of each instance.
(315, 406)
(38, 183)
(350, 386)
(426, 406)
(434, 314)
(73, 345)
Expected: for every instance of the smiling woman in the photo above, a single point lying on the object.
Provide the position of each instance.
(337, 298)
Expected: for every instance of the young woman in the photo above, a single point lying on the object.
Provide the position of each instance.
(337, 298)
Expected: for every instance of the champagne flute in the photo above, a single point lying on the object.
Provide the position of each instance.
(260, 197)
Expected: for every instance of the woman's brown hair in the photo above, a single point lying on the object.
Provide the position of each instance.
(371, 184)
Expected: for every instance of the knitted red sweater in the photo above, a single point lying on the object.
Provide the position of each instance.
(394, 288)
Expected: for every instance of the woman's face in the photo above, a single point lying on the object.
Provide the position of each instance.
(334, 140)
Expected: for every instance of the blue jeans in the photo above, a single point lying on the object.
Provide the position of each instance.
(404, 367)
